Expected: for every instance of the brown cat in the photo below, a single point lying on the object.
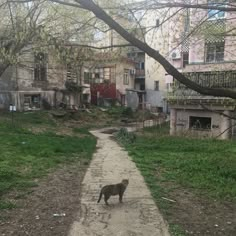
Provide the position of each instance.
(114, 189)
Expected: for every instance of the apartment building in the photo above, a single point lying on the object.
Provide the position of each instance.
(203, 48)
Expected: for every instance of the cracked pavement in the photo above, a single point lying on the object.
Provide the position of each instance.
(138, 215)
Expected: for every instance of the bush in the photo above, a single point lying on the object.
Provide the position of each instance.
(128, 112)
(124, 136)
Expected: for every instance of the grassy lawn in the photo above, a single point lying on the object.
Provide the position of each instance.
(206, 167)
(26, 156)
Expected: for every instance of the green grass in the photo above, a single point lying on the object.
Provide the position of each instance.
(6, 205)
(208, 166)
(176, 230)
(82, 130)
(28, 118)
(26, 156)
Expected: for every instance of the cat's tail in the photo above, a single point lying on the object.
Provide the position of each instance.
(100, 197)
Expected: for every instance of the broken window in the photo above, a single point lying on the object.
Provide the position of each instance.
(40, 66)
(214, 51)
(200, 123)
(32, 102)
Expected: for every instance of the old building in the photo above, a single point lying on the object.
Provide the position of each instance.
(109, 77)
(123, 65)
(39, 81)
(211, 62)
(205, 52)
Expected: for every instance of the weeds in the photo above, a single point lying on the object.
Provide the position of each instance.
(26, 156)
(207, 167)
(124, 136)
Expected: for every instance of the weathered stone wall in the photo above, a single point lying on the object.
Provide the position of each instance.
(220, 125)
(18, 81)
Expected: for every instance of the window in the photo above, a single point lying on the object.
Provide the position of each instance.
(71, 73)
(214, 52)
(97, 76)
(185, 59)
(214, 14)
(107, 73)
(40, 67)
(87, 77)
(200, 123)
(156, 85)
(142, 65)
(142, 86)
(32, 102)
(157, 22)
(126, 77)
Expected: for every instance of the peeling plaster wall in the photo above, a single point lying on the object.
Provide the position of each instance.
(7, 84)
(19, 81)
(155, 98)
(219, 124)
(8, 79)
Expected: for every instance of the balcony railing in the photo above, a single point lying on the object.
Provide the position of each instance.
(139, 73)
(211, 79)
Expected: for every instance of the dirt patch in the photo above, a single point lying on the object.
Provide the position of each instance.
(198, 215)
(59, 193)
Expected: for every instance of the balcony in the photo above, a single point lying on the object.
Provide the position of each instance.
(139, 73)
(210, 79)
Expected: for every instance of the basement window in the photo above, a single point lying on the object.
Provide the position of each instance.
(200, 123)
(32, 102)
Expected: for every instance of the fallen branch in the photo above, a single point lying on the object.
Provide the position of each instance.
(167, 199)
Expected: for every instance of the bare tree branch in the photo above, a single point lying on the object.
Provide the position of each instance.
(216, 6)
(101, 14)
(99, 48)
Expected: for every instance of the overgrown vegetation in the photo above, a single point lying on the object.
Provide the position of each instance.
(124, 136)
(26, 156)
(206, 167)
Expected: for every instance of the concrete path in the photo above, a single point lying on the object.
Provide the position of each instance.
(137, 216)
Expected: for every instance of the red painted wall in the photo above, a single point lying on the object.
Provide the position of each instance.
(105, 90)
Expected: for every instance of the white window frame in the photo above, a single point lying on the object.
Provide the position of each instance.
(126, 77)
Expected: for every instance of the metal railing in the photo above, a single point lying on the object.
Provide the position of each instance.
(139, 72)
(210, 79)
